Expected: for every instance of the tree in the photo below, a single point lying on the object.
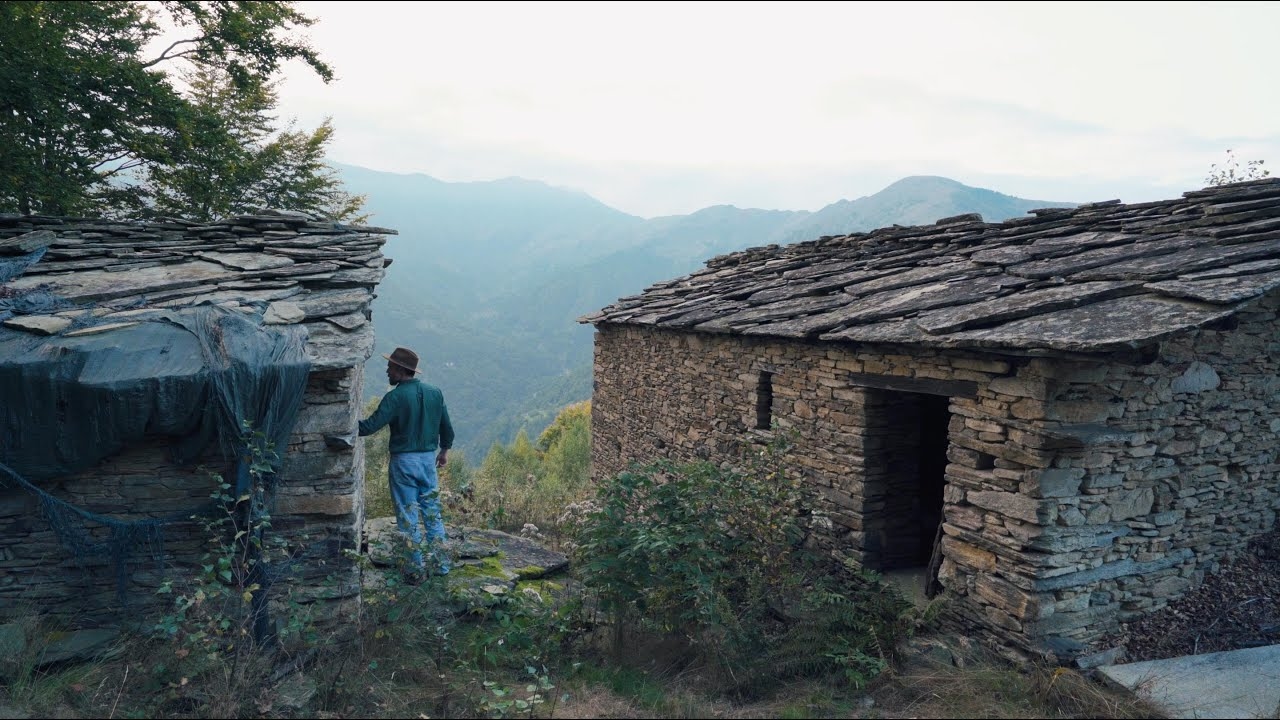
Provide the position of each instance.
(577, 415)
(82, 109)
(567, 460)
(218, 157)
(298, 178)
(230, 158)
(1230, 171)
(524, 483)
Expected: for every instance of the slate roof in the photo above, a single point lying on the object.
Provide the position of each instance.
(1095, 278)
(64, 277)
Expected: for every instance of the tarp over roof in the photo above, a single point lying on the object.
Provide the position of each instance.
(1096, 278)
(194, 375)
(114, 330)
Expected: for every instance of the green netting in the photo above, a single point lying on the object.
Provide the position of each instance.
(200, 376)
(127, 540)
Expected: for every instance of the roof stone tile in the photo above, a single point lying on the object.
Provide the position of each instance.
(1096, 278)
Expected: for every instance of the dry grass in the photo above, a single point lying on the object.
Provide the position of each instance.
(992, 689)
(399, 687)
(984, 687)
(973, 692)
(402, 670)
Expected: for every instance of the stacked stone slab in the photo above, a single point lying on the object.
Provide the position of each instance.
(1110, 375)
(284, 267)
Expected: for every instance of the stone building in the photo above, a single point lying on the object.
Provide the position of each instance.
(1069, 418)
(125, 348)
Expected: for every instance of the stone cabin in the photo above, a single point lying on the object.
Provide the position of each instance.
(1065, 419)
(123, 346)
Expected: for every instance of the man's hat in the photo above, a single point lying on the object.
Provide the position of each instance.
(405, 358)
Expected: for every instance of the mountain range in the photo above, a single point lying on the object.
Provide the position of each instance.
(488, 278)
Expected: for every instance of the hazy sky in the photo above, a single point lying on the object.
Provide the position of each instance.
(658, 109)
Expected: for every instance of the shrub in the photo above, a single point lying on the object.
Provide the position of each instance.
(715, 556)
(220, 620)
(1231, 172)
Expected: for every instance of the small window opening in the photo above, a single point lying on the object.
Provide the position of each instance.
(764, 401)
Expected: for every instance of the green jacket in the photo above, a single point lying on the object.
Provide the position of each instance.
(418, 417)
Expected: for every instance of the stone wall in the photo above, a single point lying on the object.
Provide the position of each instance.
(281, 267)
(689, 396)
(1077, 492)
(39, 575)
(1157, 473)
(318, 514)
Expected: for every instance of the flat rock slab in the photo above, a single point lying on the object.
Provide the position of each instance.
(1232, 684)
(487, 564)
(27, 243)
(1126, 322)
(39, 324)
(247, 261)
(80, 645)
(520, 558)
(102, 285)
(1221, 291)
(383, 541)
(526, 558)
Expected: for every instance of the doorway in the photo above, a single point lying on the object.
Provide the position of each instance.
(905, 477)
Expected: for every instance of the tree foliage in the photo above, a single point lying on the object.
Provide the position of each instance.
(85, 111)
(231, 158)
(526, 483)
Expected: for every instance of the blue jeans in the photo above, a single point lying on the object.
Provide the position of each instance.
(415, 491)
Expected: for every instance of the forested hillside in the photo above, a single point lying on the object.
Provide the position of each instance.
(489, 278)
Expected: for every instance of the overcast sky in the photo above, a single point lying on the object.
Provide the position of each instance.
(659, 109)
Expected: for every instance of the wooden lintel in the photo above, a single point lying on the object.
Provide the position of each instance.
(924, 386)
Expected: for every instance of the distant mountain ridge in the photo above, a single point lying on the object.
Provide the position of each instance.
(489, 277)
(915, 200)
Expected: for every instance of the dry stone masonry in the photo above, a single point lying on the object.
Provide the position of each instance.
(280, 268)
(1071, 417)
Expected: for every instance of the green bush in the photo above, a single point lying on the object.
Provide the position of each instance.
(1231, 172)
(714, 555)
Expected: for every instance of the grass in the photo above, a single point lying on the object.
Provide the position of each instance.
(406, 670)
(408, 658)
(990, 688)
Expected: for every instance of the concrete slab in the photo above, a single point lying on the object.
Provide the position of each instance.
(1232, 684)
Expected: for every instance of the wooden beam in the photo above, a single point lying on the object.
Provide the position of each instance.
(923, 386)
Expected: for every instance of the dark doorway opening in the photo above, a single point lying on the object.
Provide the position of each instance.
(906, 475)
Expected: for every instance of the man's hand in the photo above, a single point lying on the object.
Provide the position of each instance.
(442, 457)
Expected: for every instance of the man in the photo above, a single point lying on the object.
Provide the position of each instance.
(419, 426)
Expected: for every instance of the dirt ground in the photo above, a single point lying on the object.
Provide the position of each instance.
(1238, 607)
